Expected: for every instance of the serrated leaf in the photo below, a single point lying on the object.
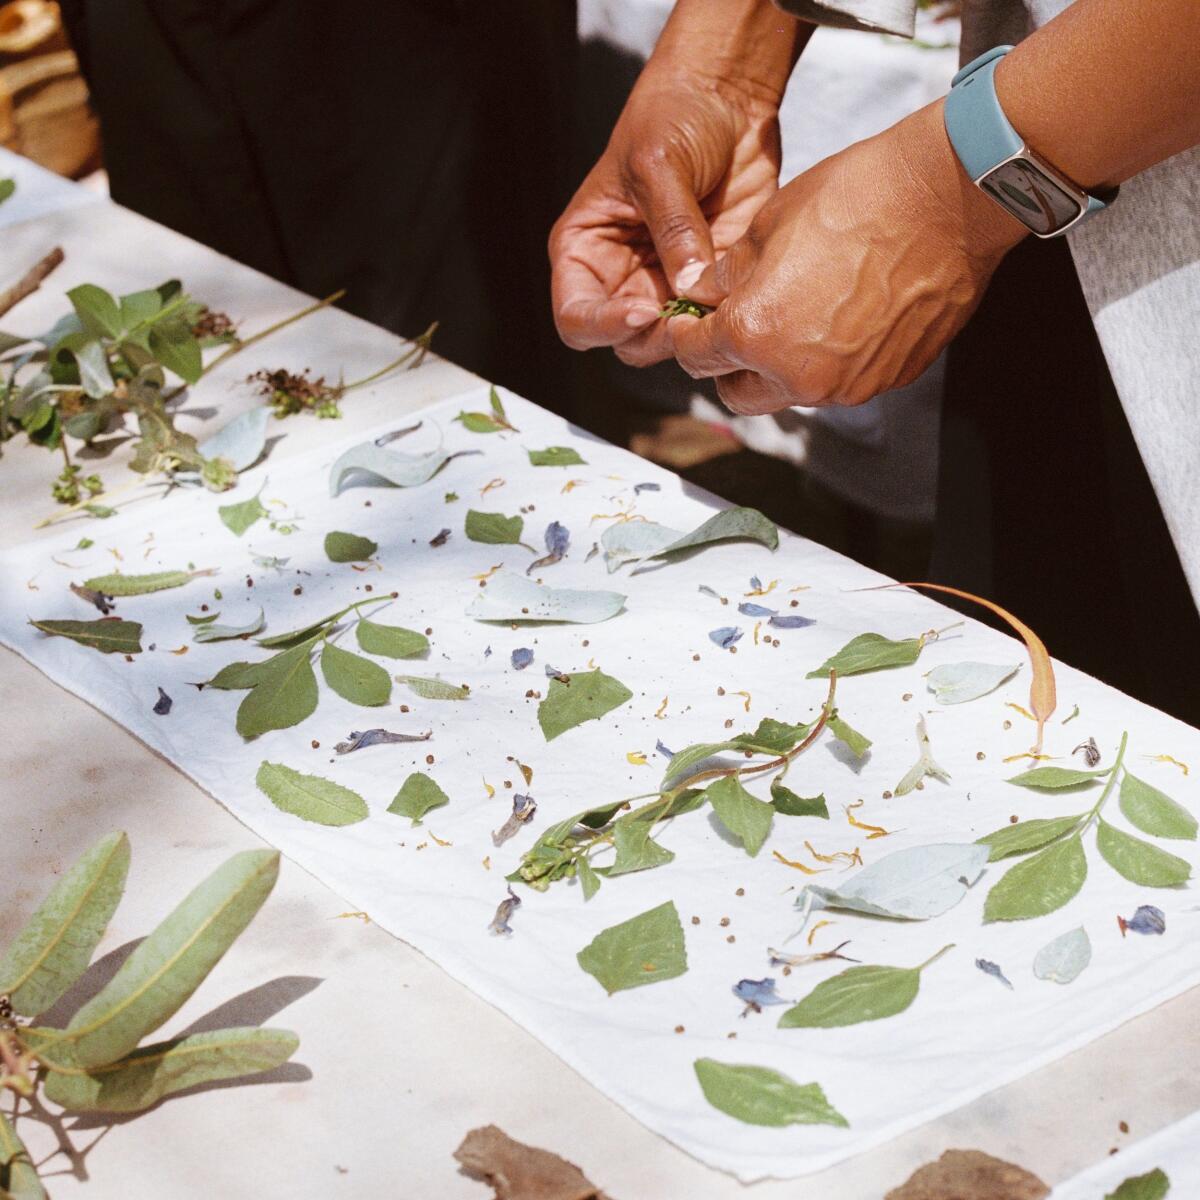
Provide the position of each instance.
(108, 636)
(386, 466)
(573, 699)
(869, 652)
(147, 1075)
(1139, 861)
(589, 881)
(760, 1096)
(55, 946)
(1154, 812)
(210, 631)
(745, 816)
(343, 547)
(1039, 885)
(957, 683)
(355, 678)
(858, 994)
(857, 743)
(433, 688)
(785, 802)
(556, 456)
(18, 1176)
(283, 694)
(645, 949)
(515, 598)
(742, 524)
(309, 796)
(417, 796)
(1056, 778)
(237, 518)
(1025, 836)
(163, 971)
(1154, 1185)
(494, 529)
(390, 641)
(117, 584)
(636, 849)
(1065, 958)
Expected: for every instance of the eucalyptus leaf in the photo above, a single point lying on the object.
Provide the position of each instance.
(1025, 836)
(515, 598)
(742, 524)
(1140, 862)
(147, 1075)
(1154, 1185)
(386, 466)
(1056, 778)
(109, 636)
(785, 802)
(309, 796)
(390, 641)
(573, 699)
(1154, 812)
(117, 584)
(355, 678)
(212, 632)
(283, 694)
(433, 688)
(745, 816)
(556, 456)
(18, 1175)
(636, 849)
(343, 547)
(55, 946)
(494, 529)
(869, 652)
(857, 743)
(417, 796)
(761, 1096)
(957, 683)
(237, 518)
(645, 949)
(1039, 885)
(632, 541)
(241, 441)
(1065, 958)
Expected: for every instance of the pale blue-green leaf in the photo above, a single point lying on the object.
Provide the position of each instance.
(743, 524)
(380, 465)
(1065, 958)
(18, 1176)
(632, 541)
(515, 598)
(210, 631)
(94, 374)
(241, 441)
(956, 683)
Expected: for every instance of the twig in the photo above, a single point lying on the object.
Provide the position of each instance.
(30, 281)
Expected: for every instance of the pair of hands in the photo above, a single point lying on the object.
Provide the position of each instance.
(846, 282)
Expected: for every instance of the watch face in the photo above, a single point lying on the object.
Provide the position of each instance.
(1031, 197)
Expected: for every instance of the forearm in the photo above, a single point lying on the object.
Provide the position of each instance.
(1108, 88)
(746, 42)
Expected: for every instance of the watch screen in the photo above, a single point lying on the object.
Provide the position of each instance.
(1031, 197)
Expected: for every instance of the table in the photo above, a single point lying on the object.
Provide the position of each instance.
(355, 995)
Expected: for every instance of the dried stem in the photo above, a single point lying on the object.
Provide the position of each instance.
(30, 281)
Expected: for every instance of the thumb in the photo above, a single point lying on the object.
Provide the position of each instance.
(677, 226)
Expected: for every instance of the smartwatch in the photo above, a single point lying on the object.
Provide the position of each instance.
(999, 162)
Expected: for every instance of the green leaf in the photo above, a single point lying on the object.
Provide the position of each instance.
(556, 456)
(645, 949)
(147, 1075)
(97, 310)
(106, 635)
(56, 944)
(478, 422)
(139, 308)
(636, 849)
(745, 816)
(173, 345)
(117, 584)
(355, 678)
(1039, 885)
(7, 188)
(493, 528)
(1139, 861)
(859, 994)
(857, 743)
(788, 804)
(760, 1096)
(297, 637)
(165, 969)
(237, 518)
(589, 881)
(418, 794)
(391, 641)
(746, 524)
(573, 699)
(497, 405)
(211, 632)
(284, 693)
(18, 1176)
(1028, 835)
(683, 761)
(348, 547)
(1056, 778)
(1154, 812)
(773, 736)
(309, 796)
(236, 676)
(1154, 1185)
(869, 652)
(433, 689)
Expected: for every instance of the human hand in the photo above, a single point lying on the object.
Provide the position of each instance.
(694, 155)
(852, 279)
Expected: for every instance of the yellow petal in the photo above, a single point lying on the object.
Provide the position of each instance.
(636, 758)
(787, 862)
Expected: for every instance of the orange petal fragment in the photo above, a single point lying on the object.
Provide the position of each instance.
(662, 708)
(812, 933)
(787, 862)
(874, 831)
(745, 702)
(1166, 758)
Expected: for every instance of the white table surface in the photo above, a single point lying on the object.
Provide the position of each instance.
(396, 1061)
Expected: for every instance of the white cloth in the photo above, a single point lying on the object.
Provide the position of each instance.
(38, 191)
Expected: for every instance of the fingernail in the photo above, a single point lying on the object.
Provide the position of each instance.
(639, 317)
(688, 275)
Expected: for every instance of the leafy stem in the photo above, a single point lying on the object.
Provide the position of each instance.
(419, 348)
(930, 961)
(1114, 771)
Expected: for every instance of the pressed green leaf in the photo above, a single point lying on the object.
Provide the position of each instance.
(237, 518)
(96, 309)
(683, 761)
(556, 456)
(138, 585)
(746, 524)
(771, 735)
(869, 652)
(348, 547)
(493, 528)
(309, 796)
(355, 678)
(390, 641)
(155, 980)
(745, 816)
(645, 949)
(107, 635)
(785, 802)
(1054, 778)
(237, 676)
(1154, 812)
(417, 796)
(857, 743)
(478, 422)
(209, 631)
(55, 946)
(1154, 1185)
(7, 188)
(297, 637)
(1139, 861)
(858, 994)
(589, 881)
(1039, 885)
(433, 688)
(1028, 835)
(173, 345)
(149, 1074)
(206, 619)
(139, 307)
(18, 1176)
(284, 693)
(573, 699)
(636, 849)
(760, 1096)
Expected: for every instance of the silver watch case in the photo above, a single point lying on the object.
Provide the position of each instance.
(1031, 190)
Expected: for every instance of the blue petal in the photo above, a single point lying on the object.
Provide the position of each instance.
(756, 583)
(787, 621)
(991, 968)
(558, 538)
(1147, 919)
(725, 636)
(663, 750)
(755, 610)
(521, 658)
(646, 487)
(758, 991)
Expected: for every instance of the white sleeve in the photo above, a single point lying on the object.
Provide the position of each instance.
(882, 16)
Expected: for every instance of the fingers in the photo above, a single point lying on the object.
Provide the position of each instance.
(679, 230)
(750, 394)
(587, 316)
(702, 344)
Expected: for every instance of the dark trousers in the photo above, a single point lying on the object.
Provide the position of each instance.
(1044, 504)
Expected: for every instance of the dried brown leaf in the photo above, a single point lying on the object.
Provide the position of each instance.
(970, 1175)
(520, 1172)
